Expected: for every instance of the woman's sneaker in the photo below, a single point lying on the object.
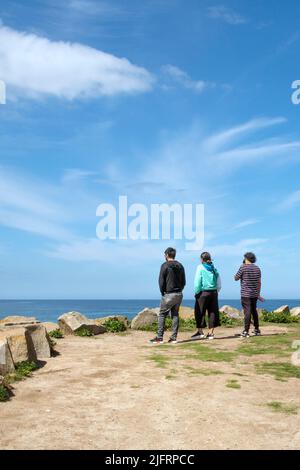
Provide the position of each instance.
(172, 341)
(245, 334)
(198, 335)
(257, 333)
(156, 340)
(210, 336)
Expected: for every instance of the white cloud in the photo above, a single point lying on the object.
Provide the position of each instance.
(245, 223)
(290, 201)
(73, 175)
(238, 248)
(181, 77)
(34, 66)
(220, 12)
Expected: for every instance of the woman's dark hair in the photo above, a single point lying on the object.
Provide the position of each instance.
(170, 253)
(206, 258)
(250, 257)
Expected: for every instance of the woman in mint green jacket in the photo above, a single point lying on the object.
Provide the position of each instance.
(207, 285)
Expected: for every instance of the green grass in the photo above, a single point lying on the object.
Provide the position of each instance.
(201, 371)
(57, 334)
(233, 384)
(279, 370)
(160, 360)
(113, 325)
(207, 354)
(4, 395)
(272, 317)
(280, 407)
(23, 369)
(84, 332)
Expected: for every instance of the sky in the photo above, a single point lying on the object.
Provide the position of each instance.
(163, 101)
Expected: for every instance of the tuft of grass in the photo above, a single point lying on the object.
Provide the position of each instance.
(57, 334)
(201, 371)
(135, 386)
(280, 370)
(4, 395)
(233, 384)
(207, 354)
(113, 325)
(280, 407)
(160, 360)
(23, 369)
(84, 332)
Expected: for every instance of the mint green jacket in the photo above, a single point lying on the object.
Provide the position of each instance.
(206, 280)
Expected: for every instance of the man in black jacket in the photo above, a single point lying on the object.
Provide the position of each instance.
(171, 285)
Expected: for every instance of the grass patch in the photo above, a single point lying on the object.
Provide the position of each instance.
(135, 386)
(23, 369)
(280, 407)
(207, 354)
(84, 332)
(271, 317)
(280, 370)
(201, 371)
(233, 384)
(57, 334)
(113, 325)
(160, 360)
(4, 395)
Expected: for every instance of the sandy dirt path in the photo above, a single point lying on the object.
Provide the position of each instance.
(107, 393)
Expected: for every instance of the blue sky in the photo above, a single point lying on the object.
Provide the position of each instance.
(162, 101)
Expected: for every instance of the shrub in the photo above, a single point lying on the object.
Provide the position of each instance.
(113, 325)
(56, 334)
(4, 395)
(227, 321)
(278, 317)
(24, 369)
(84, 332)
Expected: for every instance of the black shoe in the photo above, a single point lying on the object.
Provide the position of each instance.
(172, 341)
(210, 336)
(245, 334)
(257, 333)
(156, 340)
(198, 335)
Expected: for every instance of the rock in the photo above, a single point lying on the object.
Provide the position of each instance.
(230, 312)
(6, 361)
(50, 326)
(283, 309)
(17, 321)
(19, 343)
(295, 312)
(38, 342)
(120, 318)
(187, 313)
(71, 322)
(144, 318)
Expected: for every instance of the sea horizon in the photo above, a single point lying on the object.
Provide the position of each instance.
(48, 310)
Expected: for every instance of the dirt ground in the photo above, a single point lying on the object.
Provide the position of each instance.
(116, 392)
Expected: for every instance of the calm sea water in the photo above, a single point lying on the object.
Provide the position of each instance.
(49, 310)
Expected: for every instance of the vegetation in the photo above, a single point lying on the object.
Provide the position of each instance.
(201, 371)
(233, 384)
(205, 353)
(272, 317)
(113, 325)
(4, 395)
(84, 332)
(161, 360)
(229, 322)
(280, 407)
(280, 370)
(57, 334)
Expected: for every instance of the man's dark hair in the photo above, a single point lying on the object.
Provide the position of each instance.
(170, 253)
(250, 257)
(206, 257)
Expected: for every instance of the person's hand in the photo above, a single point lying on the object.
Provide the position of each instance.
(261, 299)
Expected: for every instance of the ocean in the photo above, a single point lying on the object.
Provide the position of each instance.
(50, 310)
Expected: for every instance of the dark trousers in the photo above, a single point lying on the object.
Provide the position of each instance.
(250, 311)
(207, 301)
(169, 305)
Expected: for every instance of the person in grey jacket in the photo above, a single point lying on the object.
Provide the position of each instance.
(171, 284)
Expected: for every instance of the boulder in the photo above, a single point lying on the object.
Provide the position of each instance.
(144, 318)
(38, 341)
(19, 342)
(295, 312)
(187, 313)
(50, 326)
(6, 361)
(230, 312)
(71, 322)
(18, 321)
(120, 318)
(283, 309)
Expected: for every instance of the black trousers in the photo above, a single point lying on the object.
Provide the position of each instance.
(208, 302)
(250, 311)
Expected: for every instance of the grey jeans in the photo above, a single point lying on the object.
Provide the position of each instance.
(170, 303)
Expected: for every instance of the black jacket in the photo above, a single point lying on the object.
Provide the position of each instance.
(171, 277)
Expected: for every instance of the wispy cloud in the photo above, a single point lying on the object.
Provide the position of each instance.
(93, 7)
(180, 77)
(245, 223)
(34, 66)
(223, 13)
(74, 175)
(238, 248)
(290, 201)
